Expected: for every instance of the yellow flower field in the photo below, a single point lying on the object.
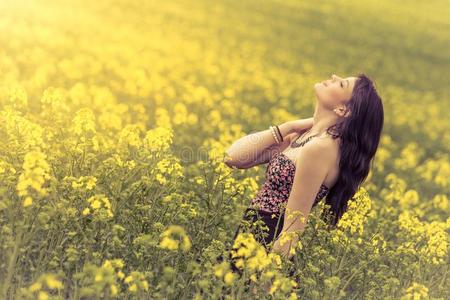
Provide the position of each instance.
(114, 118)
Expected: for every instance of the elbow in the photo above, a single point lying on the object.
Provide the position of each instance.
(232, 163)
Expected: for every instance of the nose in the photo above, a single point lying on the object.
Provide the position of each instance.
(334, 76)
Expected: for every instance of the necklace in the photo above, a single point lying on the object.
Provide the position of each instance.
(296, 145)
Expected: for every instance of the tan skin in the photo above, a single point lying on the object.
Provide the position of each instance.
(333, 93)
(317, 162)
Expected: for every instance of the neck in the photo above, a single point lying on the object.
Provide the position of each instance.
(322, 120)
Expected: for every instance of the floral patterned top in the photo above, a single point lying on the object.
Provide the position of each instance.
(277, 186)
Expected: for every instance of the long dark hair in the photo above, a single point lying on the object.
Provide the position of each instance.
(360, 135)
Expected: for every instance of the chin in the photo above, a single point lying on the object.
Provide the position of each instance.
(317, 86)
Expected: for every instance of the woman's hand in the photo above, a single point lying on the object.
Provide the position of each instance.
(301, 125)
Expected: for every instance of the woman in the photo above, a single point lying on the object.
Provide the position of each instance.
(327, 156)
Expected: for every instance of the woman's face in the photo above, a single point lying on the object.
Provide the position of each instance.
(335, 92)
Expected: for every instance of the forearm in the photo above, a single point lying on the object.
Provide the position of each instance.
(249, 147)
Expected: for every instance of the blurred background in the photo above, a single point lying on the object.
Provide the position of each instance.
(138, 100)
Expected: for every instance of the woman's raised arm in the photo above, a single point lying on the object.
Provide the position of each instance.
(257, 148)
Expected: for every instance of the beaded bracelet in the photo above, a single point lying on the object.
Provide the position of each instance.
(279, 132)
(274, 134)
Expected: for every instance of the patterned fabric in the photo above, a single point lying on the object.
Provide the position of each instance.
(276, 189)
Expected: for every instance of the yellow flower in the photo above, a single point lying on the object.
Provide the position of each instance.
(158, 139)
(84, 121)
(129, 136)
(276, 284)
(107, 264)
(175, 237)
(91, 183)
(287, 236)
(411, 197)
(292, 251)
(250, 253)
(35, 172)
(275, 257)
(113, 288)
(35, 287)
(415, 291)
(355, 216)
(167, 243)
(218, 272)
(42, 295)
(95, 204)
(120, 275)
(28, 201)
(52, 282)
(133, 288)
(76, 184)
(229, 278)
(101, 207)
(441, 201)
(119, 263)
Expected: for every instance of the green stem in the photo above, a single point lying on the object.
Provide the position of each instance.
(351, 277)
(12, 264)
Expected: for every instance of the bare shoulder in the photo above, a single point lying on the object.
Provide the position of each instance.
(323, 149)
